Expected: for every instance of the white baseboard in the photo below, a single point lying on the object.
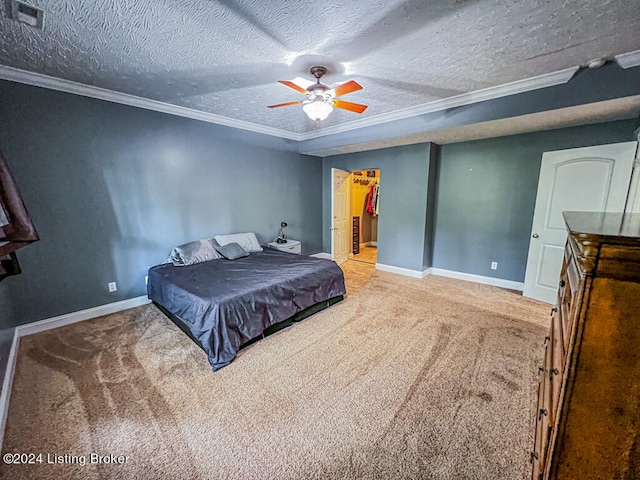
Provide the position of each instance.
(48, 324)
(369, 244)
(470, 277)
(69, 318)
(7, 383)
(322, 255)
(401, 271)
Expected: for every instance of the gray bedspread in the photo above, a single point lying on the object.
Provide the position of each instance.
(225, 303)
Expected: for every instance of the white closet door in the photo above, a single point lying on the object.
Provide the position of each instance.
(340, 213)
(580, 179)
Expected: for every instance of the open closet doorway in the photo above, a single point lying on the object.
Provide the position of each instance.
(365, 193)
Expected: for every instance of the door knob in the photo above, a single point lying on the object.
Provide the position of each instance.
(535, 235)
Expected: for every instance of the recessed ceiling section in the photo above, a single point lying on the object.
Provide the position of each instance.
(597, 112)
(223, 59)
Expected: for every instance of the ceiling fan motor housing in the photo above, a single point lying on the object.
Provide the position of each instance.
(318, 89)
(318, 71)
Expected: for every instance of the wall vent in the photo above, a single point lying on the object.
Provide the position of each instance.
(24, 13)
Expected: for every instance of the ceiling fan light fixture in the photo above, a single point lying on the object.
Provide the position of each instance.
(320, 98)
(318, 109)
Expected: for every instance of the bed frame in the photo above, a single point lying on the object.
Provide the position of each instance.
(301, 315)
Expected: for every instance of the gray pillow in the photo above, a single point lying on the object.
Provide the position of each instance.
(231, 251)
(248, 241)
(194, 252)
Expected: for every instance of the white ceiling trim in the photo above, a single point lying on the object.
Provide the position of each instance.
(628, 60)
(520, 86)
(67, 86)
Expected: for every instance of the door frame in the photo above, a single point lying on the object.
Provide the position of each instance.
(333, 206)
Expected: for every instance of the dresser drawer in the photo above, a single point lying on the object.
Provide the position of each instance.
(568, 292)
(543, 430)
(565, 313)
(292, 249)
(569, 276)
(292, 246)
(549, 388)
(555, 364)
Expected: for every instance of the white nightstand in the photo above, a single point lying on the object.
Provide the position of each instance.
(292, 246)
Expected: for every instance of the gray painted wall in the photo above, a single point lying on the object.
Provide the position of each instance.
(403, 200)
(486, 196)
(112, 188)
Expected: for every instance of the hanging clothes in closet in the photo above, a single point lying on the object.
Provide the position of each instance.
(372, 201)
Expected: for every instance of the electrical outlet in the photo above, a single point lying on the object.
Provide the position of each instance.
(494, 265)
(146, 279)
(112, 286)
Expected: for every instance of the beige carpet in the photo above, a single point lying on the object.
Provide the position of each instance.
(406, 378)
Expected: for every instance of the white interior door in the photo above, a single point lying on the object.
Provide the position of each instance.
(340, 212)
(580, 179)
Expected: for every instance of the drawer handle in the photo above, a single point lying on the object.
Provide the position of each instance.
(552, 372)
(534, 456)
(543, 411)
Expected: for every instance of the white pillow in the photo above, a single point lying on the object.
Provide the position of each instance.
(247, 241)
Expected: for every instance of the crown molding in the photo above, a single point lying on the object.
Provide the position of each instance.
(519, 86)
(68, 86)
(628, 60)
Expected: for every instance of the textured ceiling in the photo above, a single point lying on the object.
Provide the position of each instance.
(224, 58)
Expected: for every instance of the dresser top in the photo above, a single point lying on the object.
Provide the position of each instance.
(617, 228)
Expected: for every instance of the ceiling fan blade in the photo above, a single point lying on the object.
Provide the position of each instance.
(289, 84)
(353, 107)
(285, 104)
(350, 86)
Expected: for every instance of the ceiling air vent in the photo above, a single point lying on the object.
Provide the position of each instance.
(27, 14)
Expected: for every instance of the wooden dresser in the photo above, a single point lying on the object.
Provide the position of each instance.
(588, 412)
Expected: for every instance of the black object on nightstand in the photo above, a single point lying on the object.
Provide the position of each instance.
(282, 238)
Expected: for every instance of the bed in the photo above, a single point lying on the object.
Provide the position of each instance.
(223, 305)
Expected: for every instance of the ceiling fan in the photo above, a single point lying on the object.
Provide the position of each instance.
(321, 99)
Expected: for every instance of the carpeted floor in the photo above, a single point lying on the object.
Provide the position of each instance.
(406, 378)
